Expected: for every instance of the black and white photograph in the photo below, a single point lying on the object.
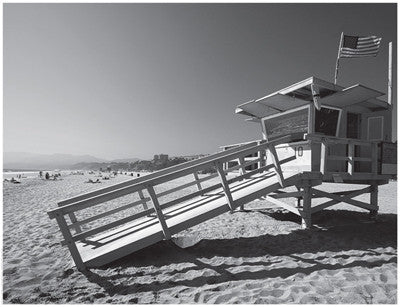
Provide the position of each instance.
(199, 153)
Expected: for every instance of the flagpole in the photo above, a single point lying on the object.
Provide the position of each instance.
(390, 75)
(338, 56)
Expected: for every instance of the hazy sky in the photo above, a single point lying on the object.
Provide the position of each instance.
(133, 80)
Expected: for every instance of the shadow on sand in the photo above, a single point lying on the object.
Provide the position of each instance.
(337, 232)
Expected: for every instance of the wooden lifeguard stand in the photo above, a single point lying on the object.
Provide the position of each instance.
(313, 132)
(343, 133)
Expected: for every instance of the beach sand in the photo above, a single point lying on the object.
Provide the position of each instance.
(257, 256)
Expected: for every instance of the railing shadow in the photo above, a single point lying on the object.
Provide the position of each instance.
(353, 231)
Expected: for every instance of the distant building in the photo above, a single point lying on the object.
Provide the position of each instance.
(160, 158)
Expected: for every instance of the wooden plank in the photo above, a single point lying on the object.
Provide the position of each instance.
(350, 161)
(225, 186)
(330, 203)
(283, 205)
(275, 161)
(70, 242)
(159, 213)
(108, 213)
(324, 156)
(196, 177)
(344, 198)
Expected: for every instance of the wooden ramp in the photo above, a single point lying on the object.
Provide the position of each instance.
(100, 244)
(146, 231)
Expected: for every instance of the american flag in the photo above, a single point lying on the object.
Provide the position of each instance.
(359, 46)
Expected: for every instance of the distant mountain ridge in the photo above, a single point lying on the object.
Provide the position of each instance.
(33, 161)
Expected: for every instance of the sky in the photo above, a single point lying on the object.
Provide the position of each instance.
(134, 80)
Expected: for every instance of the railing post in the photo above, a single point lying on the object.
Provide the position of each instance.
(350, 162)
(145, 207)
(160, 215)
(196, 177)
(324, 157)
(242, 172)
(242, 169)
(70, 242)
(275, 161)
(225, 186)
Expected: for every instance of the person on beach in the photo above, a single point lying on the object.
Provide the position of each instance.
(40, 174)
(47, 176)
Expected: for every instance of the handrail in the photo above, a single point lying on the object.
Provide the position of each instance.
(155, 174)
(173, 173)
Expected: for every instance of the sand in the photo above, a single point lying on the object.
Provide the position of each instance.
(257, 256)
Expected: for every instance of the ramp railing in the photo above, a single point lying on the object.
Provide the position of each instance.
(145, 192)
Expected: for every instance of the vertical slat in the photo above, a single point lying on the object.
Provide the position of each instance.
(242, 172)
(160, 215)
(306, 213)
(225, 186)
(242, 166)
(259, 154)
(145, 207)
(73, 219)
(324, 156)
(374, 158)
(350, 162)
(196, 177)
(275, 161)
(70, 242)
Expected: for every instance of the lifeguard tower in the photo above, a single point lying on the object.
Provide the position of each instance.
(312, 132)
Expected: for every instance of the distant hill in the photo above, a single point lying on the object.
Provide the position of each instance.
(128, 160)
(32, 161)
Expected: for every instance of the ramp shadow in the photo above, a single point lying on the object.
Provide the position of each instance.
(352, 231)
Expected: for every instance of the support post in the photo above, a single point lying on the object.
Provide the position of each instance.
(306, 213)
(390, 75)
(324, 156)
(70, 242)
(374, 200)
(225, 186)
(160, 215)
(350, 161)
